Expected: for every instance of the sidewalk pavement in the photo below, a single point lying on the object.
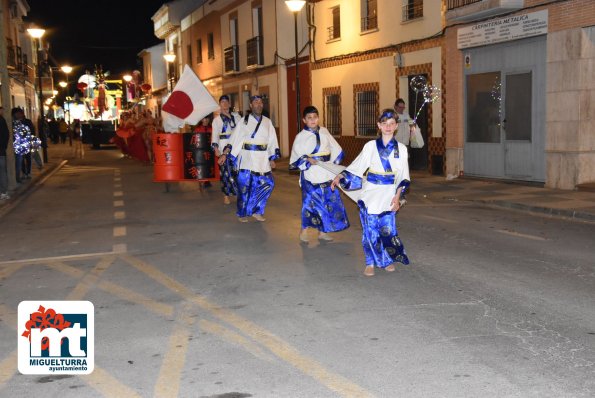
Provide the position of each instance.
(57, 154)
(529, 197)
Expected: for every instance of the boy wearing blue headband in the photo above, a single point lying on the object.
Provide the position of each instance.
(384, 161)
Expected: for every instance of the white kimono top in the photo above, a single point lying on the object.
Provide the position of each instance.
(252, 149)
(220, 138)
(377, 196)
(403, 133)
(323, 149)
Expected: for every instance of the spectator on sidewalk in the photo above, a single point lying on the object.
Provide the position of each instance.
(33, 142)
(63, 130)
(4, 132)
(21, 141)
(79, 150)
(54, 131)
(403, 133)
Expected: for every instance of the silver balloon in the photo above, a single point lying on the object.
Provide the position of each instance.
(431, 93)
(418, 83)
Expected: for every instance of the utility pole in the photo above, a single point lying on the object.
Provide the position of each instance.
(6, 102)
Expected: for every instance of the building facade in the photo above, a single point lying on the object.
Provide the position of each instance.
(154, 73)
(365, 54)
(520, 90)
(20, 60)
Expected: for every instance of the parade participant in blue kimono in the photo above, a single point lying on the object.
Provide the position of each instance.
(254, 149)
(223, 126)
(385, 161)
(322, 207)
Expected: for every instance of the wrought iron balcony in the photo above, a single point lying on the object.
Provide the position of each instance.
(452, 4)
(334, 32)
(369, 23)
(232, 59)
(254, 51)
(11, 58)
(412, 10)
(471, 10)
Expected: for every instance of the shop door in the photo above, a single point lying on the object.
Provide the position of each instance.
(505, 110)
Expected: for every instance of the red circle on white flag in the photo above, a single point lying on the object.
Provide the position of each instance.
(179, 104)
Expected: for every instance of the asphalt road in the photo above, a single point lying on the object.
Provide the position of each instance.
(189, 302)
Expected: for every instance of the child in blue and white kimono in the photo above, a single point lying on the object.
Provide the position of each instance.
(223, 126)
(253, 149)
(322, 207)
(385, 162)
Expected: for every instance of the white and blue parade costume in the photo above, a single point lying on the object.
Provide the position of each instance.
(387, 170)
(223, 127)
(322, 207)
(253, 145)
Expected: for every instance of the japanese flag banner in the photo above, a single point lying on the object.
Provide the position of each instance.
(188, 103)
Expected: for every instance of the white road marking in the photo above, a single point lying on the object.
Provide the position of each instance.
(119, 215)
(119, 231)
(118, 203)
(118, 193)
(520, 235)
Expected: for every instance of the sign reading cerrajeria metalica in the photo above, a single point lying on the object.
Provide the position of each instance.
(504, 29)
(56, 337)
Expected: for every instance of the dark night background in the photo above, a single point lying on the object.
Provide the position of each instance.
(87, 33)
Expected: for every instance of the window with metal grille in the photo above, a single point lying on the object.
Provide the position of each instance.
(199, 51)
(366, 111)
(332, 113)
(412, 9)
(211, 46)
(369, 11)
(334, 31)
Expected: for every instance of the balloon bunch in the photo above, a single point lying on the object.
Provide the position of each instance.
(430, 93)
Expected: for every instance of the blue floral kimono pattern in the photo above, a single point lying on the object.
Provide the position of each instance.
(255, 189)
(380, 238)
(322, 208)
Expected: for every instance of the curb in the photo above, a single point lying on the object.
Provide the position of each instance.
(572, 214)
(20, 194)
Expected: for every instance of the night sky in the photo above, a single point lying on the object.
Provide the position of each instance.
(106, 32)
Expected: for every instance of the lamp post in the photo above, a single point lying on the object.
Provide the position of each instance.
(295, 6)
(36, 34)
(170, 58)
(67, 69)
(127, 79)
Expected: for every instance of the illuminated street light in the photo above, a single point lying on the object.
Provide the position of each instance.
(127, 78)
(62, 84)
(37, 34)
(170, 58)
(66, 69)
(295, 6)
(55, 92)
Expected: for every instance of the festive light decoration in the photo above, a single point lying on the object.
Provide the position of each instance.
(22, 138)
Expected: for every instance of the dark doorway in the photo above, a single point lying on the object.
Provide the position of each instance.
(419, 157)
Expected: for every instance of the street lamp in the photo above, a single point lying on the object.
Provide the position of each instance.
(63, 84)
(127, 79)
(295, 6)
(37, 34)
(67, 69)
(170, 58)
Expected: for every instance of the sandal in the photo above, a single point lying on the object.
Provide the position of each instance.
(369, 271)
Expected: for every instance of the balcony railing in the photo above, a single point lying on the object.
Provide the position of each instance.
(369, 23)
(412, 10)
(254, 51)
(452, 4)
(11, 57)
(232, 59)
(471, 10)
(334, 32)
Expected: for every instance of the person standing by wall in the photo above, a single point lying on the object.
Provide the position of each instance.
(403, 133)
